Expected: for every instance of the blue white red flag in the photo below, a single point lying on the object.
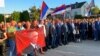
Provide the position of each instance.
(44, 11)
(59, 10)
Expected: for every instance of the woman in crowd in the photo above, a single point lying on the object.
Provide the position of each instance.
(3, 37)
(11, 37)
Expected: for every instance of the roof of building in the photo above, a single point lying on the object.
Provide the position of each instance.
(76, 5)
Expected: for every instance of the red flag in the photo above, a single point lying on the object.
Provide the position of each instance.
(26, 37)
(22, 40)
(41, 37)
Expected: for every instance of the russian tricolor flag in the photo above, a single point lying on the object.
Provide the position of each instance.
(44, 11)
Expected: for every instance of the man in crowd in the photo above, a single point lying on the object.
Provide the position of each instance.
(58, 30)
(64, 32)
(97, 28)
(53, 34)
(83, 29)
(47, 37)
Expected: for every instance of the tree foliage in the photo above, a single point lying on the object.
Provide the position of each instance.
(78, 17)
(24, 16)
(16, 16)
(1, 17)
(9, 19)
(95, 10)
(99, 11)
(35, 13)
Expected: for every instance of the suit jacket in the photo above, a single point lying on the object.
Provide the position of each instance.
(97, 25)
(53, 32)
(83, 26)
(70, 27)
(64, 29)
(58, 29)
(47, 27)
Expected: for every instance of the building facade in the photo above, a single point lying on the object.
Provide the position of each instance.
(76, 9)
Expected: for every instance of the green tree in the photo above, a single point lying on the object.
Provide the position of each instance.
(95, 10)
(1, 17)
(25, 16)
(35, 13)
(99, 11)
(8, 19)
(78, 17)
(16, 16)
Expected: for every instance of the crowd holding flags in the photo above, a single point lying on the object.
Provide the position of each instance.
(57, 30)
(45, 10)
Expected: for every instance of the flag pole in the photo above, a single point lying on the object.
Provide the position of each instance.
(3, 6)
(64, 15)
(5, 19)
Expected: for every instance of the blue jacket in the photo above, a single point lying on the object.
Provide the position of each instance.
(83, 26)
(97, 25)
(58, 29)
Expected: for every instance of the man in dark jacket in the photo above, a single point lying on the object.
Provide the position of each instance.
(64, 32)
(53, 34)
(83, 29)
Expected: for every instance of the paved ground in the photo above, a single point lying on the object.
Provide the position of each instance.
(86, 48)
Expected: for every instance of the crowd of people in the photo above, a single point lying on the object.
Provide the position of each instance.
(57, 32)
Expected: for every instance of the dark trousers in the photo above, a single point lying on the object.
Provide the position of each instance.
(89, 32)
(53, 41)
(77, 38)
(95, 34)
(1, 50)
(98, 34)
(65, 38)
(47, 41)
(71, 37)
(58, 40)
(83, 35)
